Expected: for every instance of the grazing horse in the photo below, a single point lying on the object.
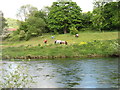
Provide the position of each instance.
(60, 42)
(76, 35)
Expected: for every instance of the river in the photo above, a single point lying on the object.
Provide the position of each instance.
(66, 73)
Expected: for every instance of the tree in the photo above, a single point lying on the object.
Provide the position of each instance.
(3, 23)
(98, 19)
(25, 11)
(36, 25)
(12, 23)
(33, 26)
(40, 14)
(107, 17)
(111, 13)
(64, 15)
(86, 19)
(99, 3)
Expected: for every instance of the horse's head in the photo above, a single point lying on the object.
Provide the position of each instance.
(66, 42)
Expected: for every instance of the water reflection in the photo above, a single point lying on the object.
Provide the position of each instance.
(82, 73)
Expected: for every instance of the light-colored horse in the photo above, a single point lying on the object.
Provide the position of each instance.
(60, 42)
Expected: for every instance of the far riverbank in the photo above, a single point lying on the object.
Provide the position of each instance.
(96, 48)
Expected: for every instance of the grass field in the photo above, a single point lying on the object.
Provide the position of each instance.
(87, 44)
(71, 39)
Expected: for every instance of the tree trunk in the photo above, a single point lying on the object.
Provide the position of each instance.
(65, 31)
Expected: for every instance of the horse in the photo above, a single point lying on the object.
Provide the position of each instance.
(76, 35)
(60, 42)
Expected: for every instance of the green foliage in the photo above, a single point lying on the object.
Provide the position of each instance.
(33, 26)
(98, 19)
(36, 25)
(73, 30)
(33, 21)
(22, 34)
(12, 23)
(99, 3)
(87, 20)
(27, 36)
(106, 17)
(3, 22)
(14, 38)
(111, 14)
(63, 15)
(23, 26)
(16, 32)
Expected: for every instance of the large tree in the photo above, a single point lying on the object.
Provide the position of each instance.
(64, 15)
(107, 17)
(98, 19)
(25, 11)
(111, 13)
(34, 25)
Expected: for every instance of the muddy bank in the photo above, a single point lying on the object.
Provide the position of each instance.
(54, 57)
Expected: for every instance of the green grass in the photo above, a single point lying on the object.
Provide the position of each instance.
(97, 48)
(88, 43)
(83, 36)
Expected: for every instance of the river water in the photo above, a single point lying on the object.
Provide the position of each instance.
(68, 73)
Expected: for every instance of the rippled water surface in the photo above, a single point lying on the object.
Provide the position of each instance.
(79, 73)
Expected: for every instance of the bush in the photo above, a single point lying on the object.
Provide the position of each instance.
(16, 32)
(6, 36)
(14, 38)
(86, 29)
(55, 32)
(22, 34)
(27, 36)
(73, 31)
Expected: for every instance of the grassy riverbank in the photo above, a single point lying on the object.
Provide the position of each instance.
(86, 48)
(83, 37)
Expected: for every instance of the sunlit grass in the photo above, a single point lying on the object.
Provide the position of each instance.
(96, 47)
(71, 39)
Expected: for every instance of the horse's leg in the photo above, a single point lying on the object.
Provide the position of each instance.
(55, 42)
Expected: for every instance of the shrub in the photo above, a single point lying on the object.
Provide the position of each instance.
(73, 30)
(39, 44)
(22, 34)
(27, 36)
(14, 38)
(55, 32)
(6, 36)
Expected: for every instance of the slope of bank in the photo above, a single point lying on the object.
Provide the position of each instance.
(71, 39)
(96, 48)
